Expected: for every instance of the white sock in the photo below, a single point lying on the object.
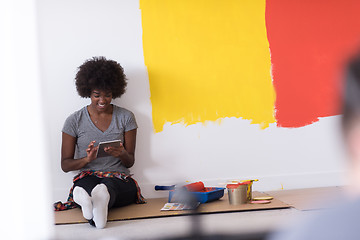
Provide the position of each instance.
(100, 199)
(82, 198)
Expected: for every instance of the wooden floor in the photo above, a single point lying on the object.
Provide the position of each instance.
(228, 223)
(308, 199)
(152, 210)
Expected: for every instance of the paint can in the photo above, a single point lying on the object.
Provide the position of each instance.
(237, 193)
(249, 191)
(249, 188)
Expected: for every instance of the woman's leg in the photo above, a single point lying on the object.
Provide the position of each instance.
(81, 194)
(82, 198)
(88, 183)
(103, 193)
(100, 200)
(121, 192)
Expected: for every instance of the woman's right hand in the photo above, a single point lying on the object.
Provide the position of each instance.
(68, 163)
(91, 152)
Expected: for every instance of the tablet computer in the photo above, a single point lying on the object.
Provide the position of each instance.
(101, 153)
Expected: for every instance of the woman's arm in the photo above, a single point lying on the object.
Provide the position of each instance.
(68, 163)
(126, 152)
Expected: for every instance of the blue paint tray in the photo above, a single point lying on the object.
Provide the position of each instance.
(208, 195)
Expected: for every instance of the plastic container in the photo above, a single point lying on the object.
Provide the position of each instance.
(207, 195)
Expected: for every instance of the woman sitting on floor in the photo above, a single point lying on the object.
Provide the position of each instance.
(103, 182)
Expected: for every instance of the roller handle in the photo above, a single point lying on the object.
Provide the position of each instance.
(164, 188)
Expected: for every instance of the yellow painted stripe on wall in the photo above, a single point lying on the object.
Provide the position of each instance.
(207, 60)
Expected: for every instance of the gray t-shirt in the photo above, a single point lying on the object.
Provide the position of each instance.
(80, 126)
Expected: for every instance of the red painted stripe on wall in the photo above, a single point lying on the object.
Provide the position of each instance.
(309, 42)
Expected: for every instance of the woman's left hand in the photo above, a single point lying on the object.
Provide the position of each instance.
(116, 151)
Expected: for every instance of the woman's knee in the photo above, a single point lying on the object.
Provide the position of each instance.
(88, 183)
(122, 193)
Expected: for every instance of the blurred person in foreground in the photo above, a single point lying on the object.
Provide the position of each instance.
(342, 220)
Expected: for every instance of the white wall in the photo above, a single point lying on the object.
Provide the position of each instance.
(26, 210)
(72, 31)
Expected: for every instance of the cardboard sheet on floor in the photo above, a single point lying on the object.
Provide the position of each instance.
(308, 198)
(152, 210)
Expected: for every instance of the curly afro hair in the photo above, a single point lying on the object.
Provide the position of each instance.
(102, 74)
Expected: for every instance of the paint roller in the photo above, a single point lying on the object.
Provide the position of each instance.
(191, 187)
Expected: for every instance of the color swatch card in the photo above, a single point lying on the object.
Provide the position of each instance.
(178, 207)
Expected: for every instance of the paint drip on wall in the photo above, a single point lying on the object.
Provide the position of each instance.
(207, 61)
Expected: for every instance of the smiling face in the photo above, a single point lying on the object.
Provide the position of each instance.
(101, 100)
